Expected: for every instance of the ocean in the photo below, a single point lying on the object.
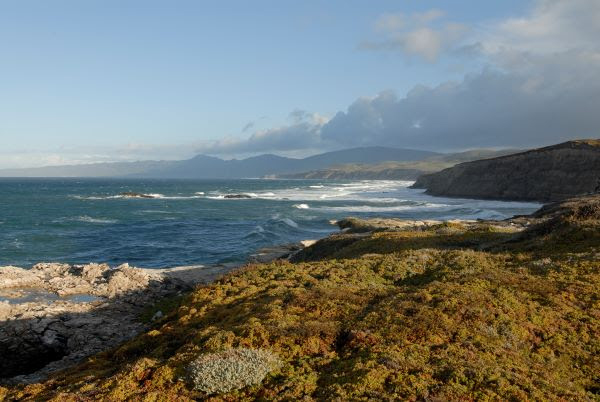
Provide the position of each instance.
(192, 222)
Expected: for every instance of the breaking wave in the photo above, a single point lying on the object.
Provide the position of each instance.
(85, 219)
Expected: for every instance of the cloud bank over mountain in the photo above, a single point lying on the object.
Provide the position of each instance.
(539, 84)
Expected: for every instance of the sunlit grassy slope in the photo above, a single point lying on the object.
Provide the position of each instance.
(455, 311)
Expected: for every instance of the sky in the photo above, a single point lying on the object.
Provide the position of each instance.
(123, 80)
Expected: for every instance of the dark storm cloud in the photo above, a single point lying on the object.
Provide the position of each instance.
(491, 108)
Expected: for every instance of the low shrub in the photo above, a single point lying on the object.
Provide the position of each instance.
(233, 369)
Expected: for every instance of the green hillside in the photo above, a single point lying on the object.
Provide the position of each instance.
(407, 170)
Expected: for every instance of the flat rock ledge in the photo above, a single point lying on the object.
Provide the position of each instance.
(358, 225)
(54, 315)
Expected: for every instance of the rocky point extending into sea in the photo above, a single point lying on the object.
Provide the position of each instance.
(54, 315)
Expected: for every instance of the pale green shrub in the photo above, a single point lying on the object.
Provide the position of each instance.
(232, 369)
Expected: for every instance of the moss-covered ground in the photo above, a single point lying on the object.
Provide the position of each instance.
(451, 312)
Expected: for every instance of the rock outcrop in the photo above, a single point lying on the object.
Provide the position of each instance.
(54, 315)
(130, 194)
(545, 174)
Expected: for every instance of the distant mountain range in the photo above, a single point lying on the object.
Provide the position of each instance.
(208, 167)
(355, 163)
(398, 170)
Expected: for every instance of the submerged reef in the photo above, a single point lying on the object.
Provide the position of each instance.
(438, 310)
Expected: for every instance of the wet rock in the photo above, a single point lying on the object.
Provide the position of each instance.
(357, 225)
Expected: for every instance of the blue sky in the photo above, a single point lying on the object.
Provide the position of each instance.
(87, 81)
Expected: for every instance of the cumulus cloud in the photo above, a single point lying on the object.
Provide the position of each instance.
(418, 34)
(541, 85)
(552, 26)
(491, 108)
(302, 133)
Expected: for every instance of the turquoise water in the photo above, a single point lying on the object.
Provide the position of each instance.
(192, 222)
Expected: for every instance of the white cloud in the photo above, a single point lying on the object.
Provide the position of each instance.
(390, 22)
(541, 86)
(302, 133)
(553, 29)
(76, 155)
(552, 26)
(418, 34)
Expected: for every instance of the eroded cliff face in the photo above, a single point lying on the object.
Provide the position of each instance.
(545, 174)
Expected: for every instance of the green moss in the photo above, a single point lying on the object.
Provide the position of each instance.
(164, 306)
(449, 312)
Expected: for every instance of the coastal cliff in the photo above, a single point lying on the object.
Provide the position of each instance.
(545, 174)
(386, 310)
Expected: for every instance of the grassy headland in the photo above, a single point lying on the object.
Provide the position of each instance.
(464, 311)
(394, 170)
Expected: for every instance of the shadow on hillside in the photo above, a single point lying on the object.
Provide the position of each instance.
(353, 246)
(60, 332)
(553, 236)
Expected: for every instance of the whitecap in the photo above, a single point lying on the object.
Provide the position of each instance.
(289, 222)
(301, 206)
(156, 211)
(84, 218)
(89, 219)
(180, 197)
(370, 208)
(96, 197)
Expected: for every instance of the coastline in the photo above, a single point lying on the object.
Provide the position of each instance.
(395, 301)
(56, 314)
(47, 306)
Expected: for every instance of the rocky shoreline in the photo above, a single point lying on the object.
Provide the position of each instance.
(427, 306)
(54, 315)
